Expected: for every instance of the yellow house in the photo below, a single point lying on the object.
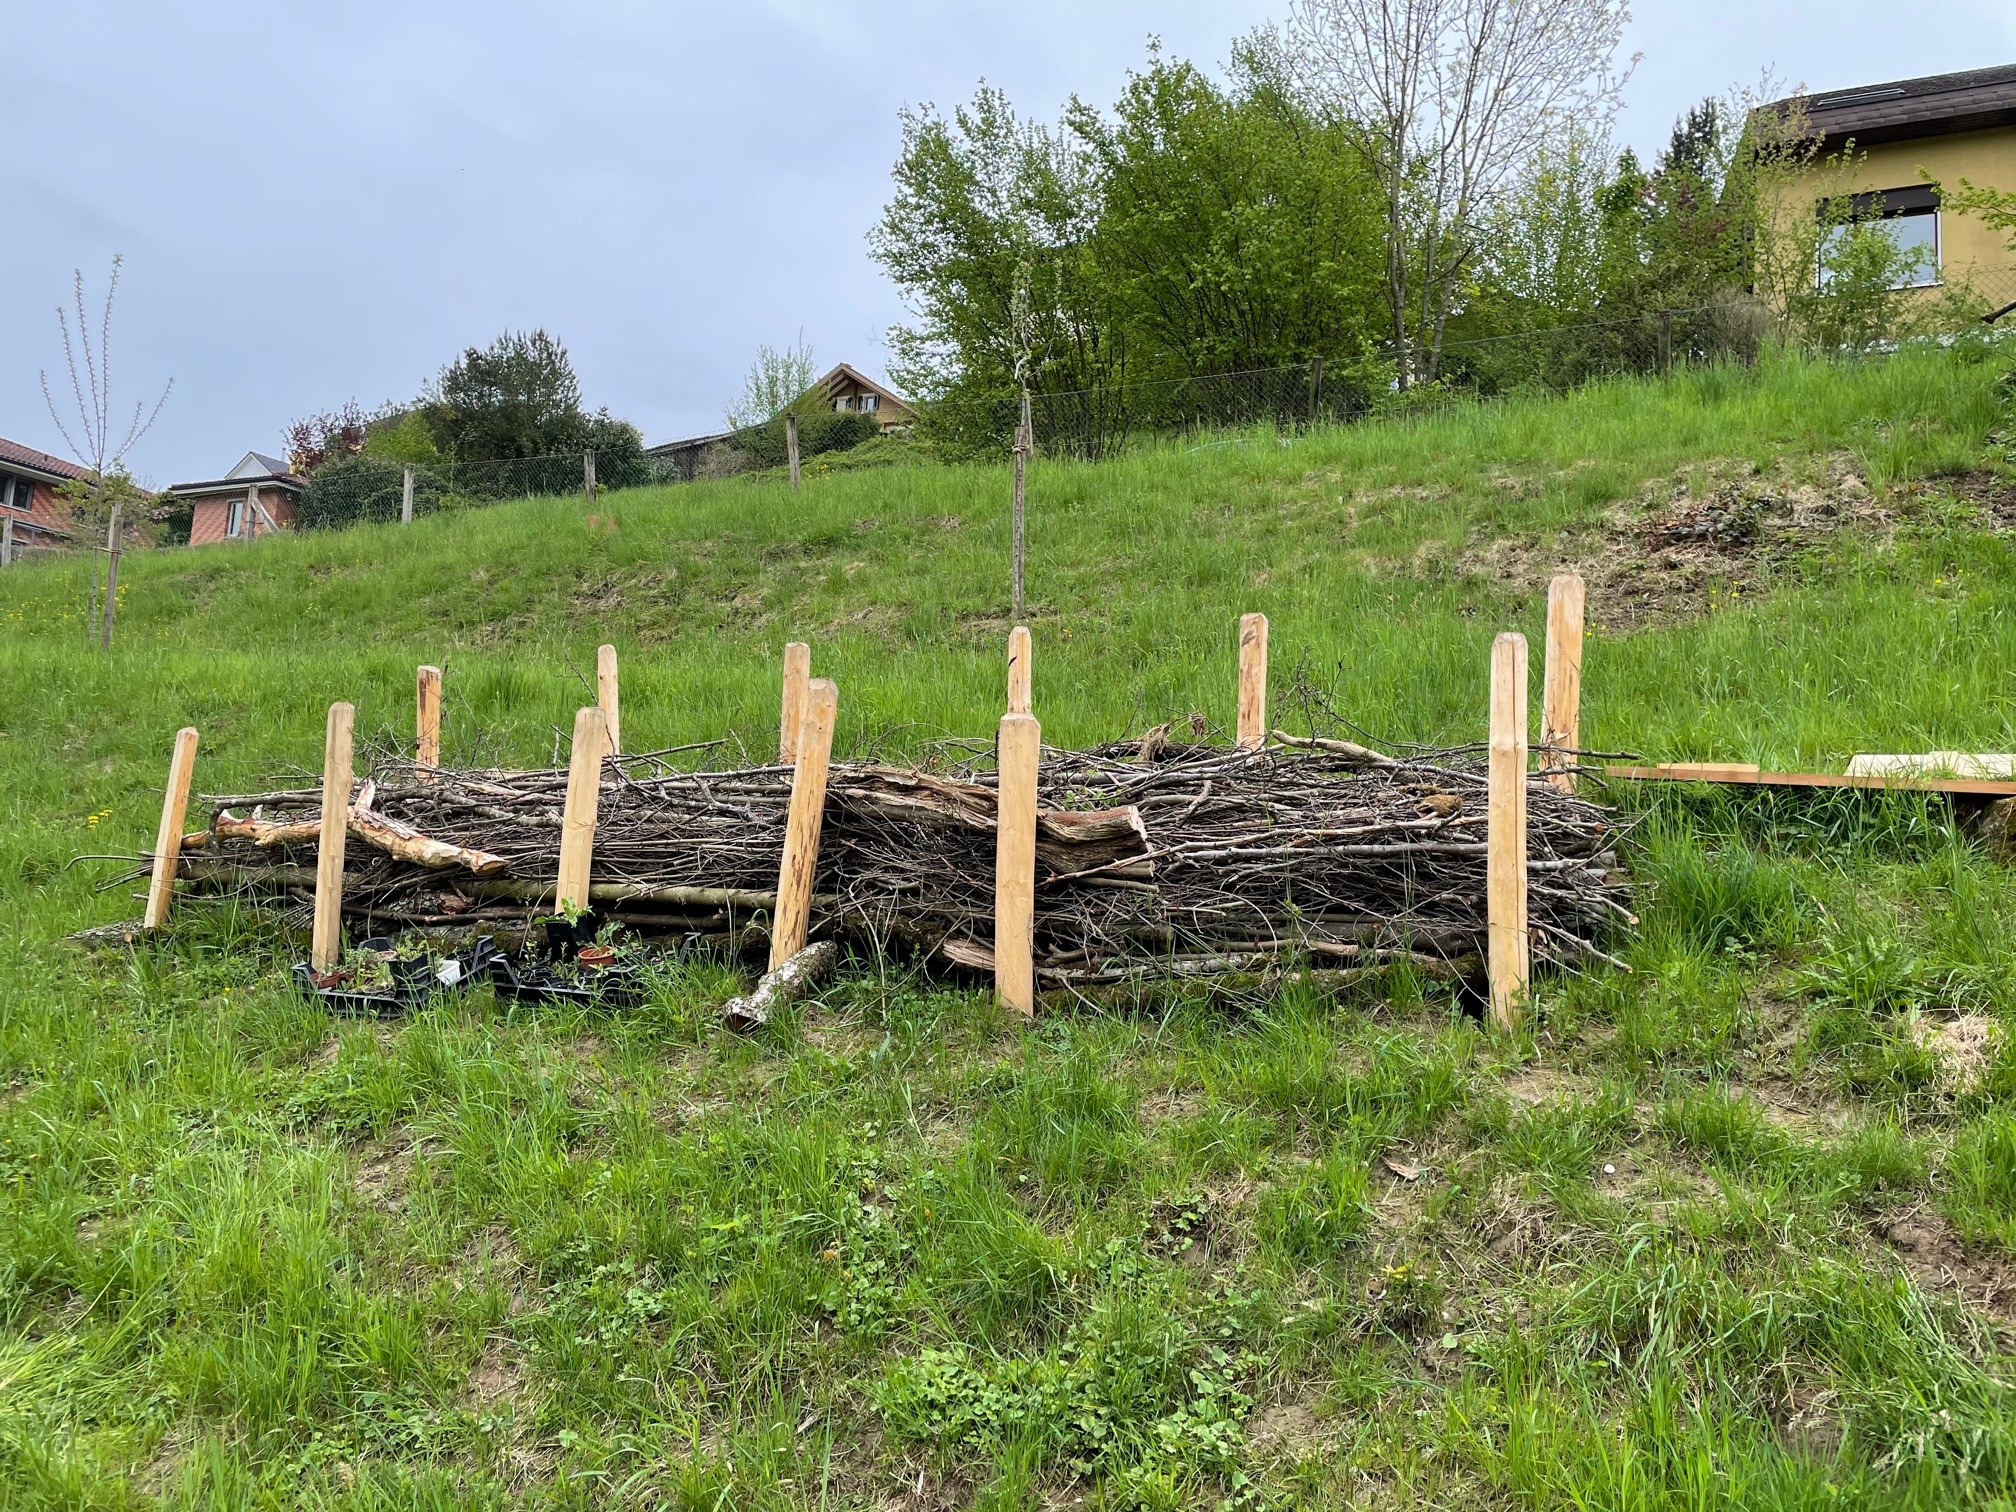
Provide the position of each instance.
(1878, 143)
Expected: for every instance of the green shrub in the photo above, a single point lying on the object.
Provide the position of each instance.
(360, 489)
(819, 432)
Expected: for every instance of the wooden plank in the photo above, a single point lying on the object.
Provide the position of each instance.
(1978, 766)
(1743, 775)
(606, 696)
(1019, 682)
(326, 950)
(791, 720)
(584, 795)
(168, 839)
(1017, 752)
(1252, 681)
(1561, 681)
(427, 720)
(792, 921)
(1505, 832)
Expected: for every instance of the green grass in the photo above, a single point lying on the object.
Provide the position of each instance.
(1733, 1229)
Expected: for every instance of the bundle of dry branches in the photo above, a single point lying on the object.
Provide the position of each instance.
(1152, 857)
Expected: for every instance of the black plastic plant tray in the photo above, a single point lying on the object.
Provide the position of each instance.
(619, 986)
(413, 980)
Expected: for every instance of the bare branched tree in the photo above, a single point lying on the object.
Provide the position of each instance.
(1450, 99)
(93, 441)
(98, 443)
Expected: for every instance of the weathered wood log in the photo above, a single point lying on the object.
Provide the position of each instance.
(368, 825)
(796, 977)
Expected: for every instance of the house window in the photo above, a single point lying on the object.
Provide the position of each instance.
(1907, 218)
(870, 403)
(234, 520)
(16, 493)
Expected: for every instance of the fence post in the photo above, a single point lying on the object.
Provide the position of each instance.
(588, 475)
(1505, 832)
(427, 721)
(1665, 342)
(1019, 750)
(1315, 390)
(7, 542)
(606, 696)
(326, 951)
(577, 821)
(168, 839)
(1019, 668)
(791, 445)
(112, 547)
(791, 920)
(1024, 439)
(1561, 681)
(791, 721)
(406, 497)
(1252, 681)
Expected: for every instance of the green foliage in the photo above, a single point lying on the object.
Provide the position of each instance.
(402, 435)
(820, 431)
(1202, 228)
(365, 489)
(517, 397)
(776, 380)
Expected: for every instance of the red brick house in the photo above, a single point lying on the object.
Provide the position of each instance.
(255, 498)
(28, 483)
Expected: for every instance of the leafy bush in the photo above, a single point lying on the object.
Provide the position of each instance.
(819, 432)
(359, 489)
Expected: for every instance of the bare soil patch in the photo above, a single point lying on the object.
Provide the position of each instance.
(1688, 543)
(1936, 1259)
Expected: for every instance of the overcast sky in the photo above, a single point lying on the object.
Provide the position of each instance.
(321, 202)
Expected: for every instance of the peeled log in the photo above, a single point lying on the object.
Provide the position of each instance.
(371, 827)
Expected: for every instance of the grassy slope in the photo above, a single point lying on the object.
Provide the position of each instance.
(252, 1257)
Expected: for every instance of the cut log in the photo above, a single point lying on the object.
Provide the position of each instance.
(796, 977)
(374, 829)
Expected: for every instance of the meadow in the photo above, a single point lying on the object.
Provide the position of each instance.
(1734, 1228)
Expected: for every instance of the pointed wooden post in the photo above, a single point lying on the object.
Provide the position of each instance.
(1019, 685)
(1252, 681)
(427, 721)
(584, 795)
(791, 719)
(1019, 750)
(326, 951)
(1561, 684)
(168, 839)
(606, 697)
(1505, 832)
(792, 920)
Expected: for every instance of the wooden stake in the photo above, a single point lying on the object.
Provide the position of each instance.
(1505, 831)
(791, 721)
(113, 542)
(7, 542)
(588, 475)
(606, 697)
(427, 720)
(168, 839)
(1252, 681)
(406, 497)
(327, 949)
(792, 920)
(1019, 671)
(1561, 684)
(1018, 751)
(584, 795)
(791, 445)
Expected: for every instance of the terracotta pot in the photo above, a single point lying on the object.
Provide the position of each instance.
(596, 957)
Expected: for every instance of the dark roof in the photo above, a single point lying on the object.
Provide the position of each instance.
(1908, 109)
(14, 454)
(282, 479)
(666, 448)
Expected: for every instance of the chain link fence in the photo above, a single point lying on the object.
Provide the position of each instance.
(1094, 423)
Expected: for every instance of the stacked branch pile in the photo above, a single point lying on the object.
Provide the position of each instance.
(1152, 857)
